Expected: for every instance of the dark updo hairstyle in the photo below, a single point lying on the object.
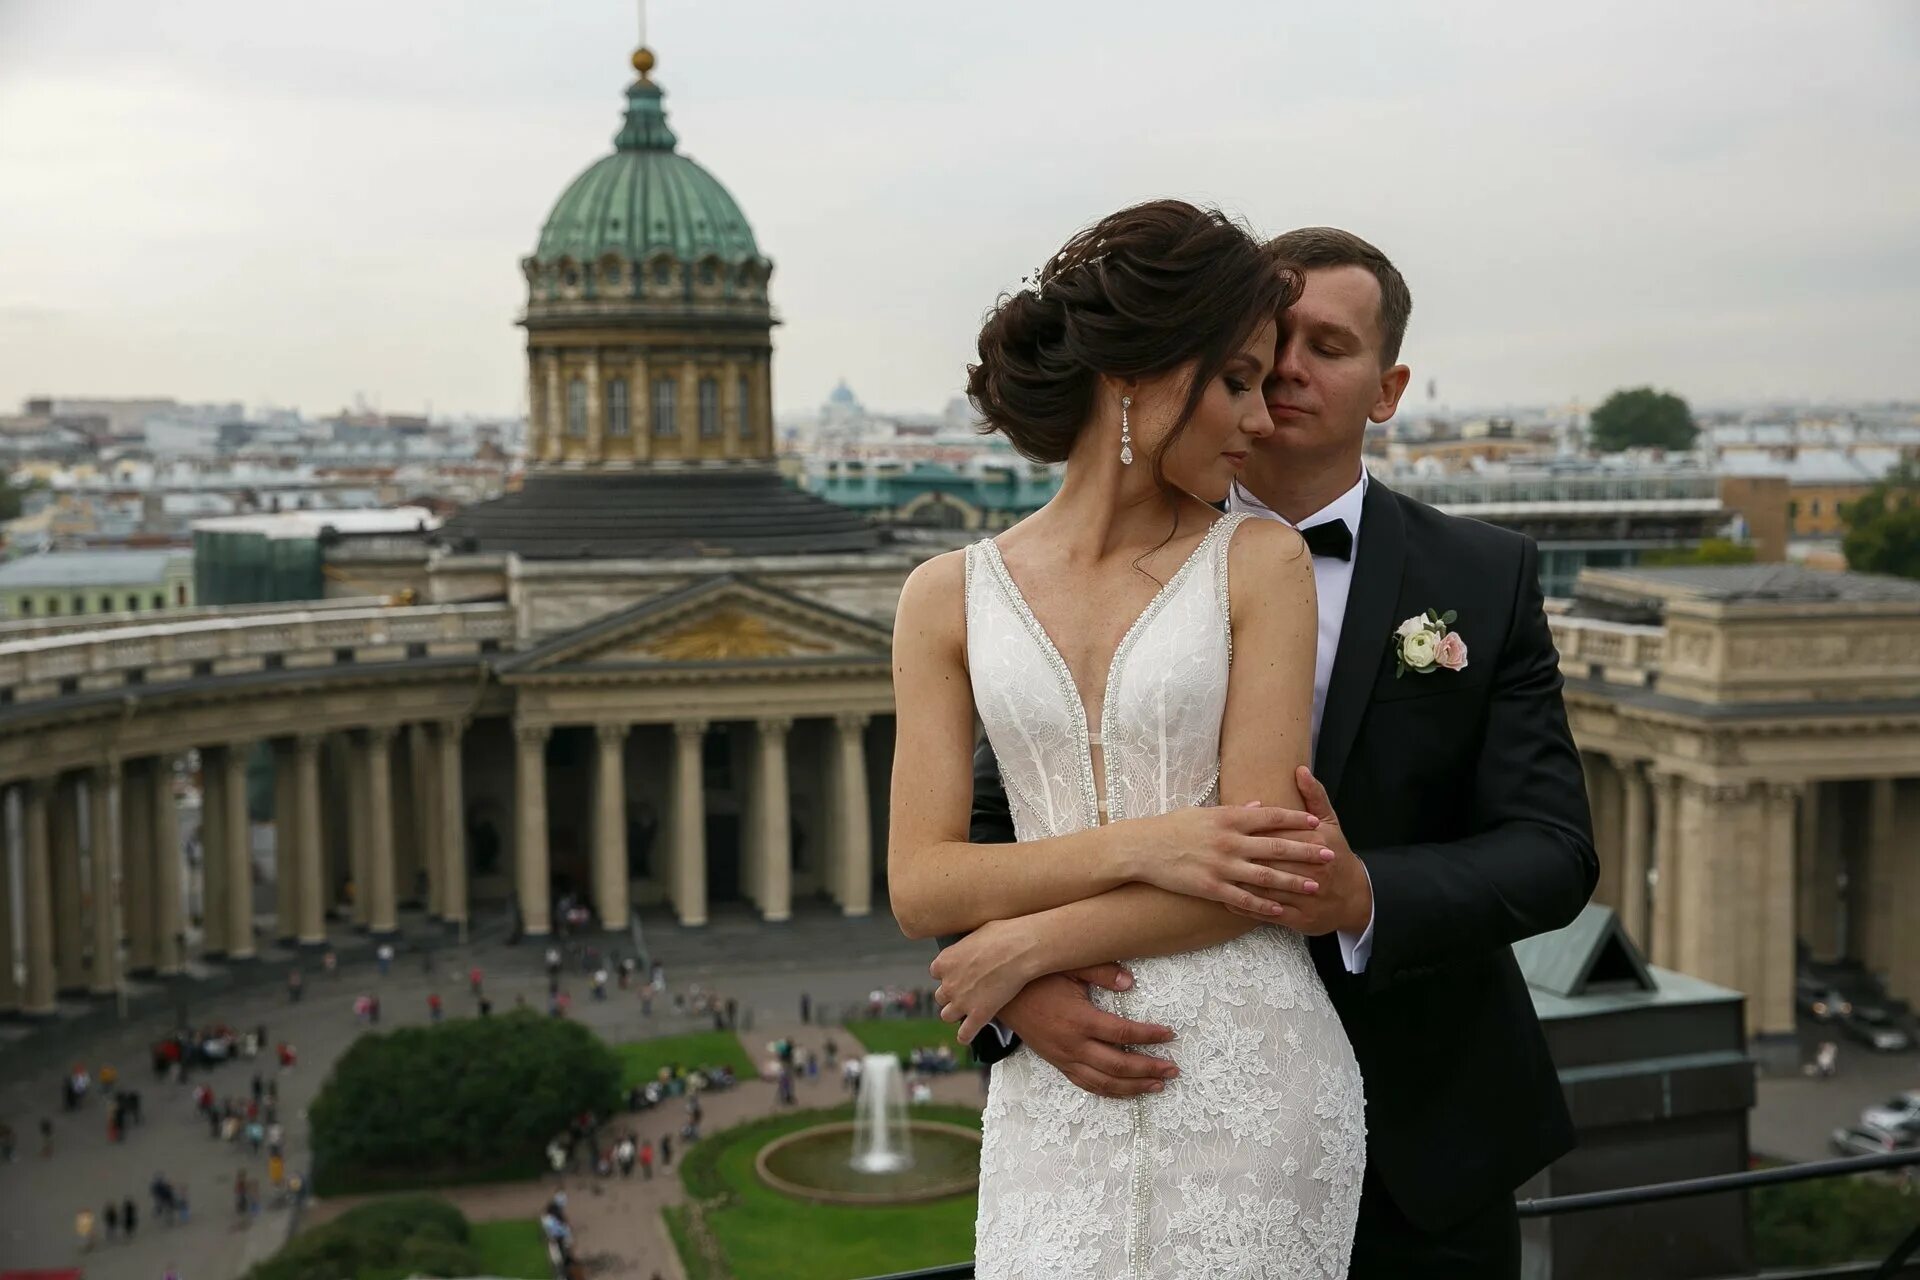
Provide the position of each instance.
(1138, 294)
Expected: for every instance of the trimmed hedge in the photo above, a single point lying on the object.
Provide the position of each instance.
(404, 1236)
(473, 1100)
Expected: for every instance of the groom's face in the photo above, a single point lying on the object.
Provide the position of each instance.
(1329, 378)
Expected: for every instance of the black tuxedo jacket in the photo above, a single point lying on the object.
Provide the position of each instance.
(1462, 793)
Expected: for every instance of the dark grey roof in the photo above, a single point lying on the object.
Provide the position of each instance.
(657, 514)
(1745, 584)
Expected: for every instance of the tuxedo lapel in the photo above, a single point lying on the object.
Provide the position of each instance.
(1364, 632)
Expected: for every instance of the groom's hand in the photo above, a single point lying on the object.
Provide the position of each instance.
(1054, 1018)
(1344, 901)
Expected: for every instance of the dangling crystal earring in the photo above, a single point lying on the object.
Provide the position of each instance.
(1126, 432)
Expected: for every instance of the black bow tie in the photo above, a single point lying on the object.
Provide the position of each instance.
(1330, 538)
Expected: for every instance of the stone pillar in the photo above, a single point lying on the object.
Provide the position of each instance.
(382, 918)
(169, 914)
(9, 982)
(1666, 871)
(1634, 843)
(238, 832)
(556, 433)
(536, 410)
(596, 420)
(1903, 967)
(1815, 896)
(359, 826)
(213, 862)
(689, 823)
(310, 853)
(732, 412)
(421, 778)
(36, 887)
(451, 828)
(69, 919)
(640, 408)
(773, 838)
(691, 445)
(400, 808)
(286, 846)
(1772, 962)
(1602, 795)
(532, 876)
(1878, 926)
(611, 891)
(851, 829)
(139, 854)
(103, 863)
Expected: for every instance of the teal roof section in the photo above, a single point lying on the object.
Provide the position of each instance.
(646, 199)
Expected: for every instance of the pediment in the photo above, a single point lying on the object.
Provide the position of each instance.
(724, 621)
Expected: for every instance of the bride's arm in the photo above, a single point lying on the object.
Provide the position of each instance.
(941, 884)
(1266, 733)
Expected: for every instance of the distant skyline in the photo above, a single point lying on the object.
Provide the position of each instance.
(212, 199)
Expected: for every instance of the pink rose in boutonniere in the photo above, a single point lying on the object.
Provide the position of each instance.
(1423, 644)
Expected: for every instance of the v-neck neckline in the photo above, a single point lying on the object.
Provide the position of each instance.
(1100, 796)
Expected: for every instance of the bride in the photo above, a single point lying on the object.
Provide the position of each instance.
(1143, 667)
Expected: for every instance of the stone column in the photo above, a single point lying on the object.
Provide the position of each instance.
(536, 410)
(169, 915)
(611, 890)
(1878, 926)
(596, 420)
(773, 840)
(36, 886)
(556, 433)
(286, 846)
(1662, 940)
(69, 918)
(1634, 817)
(359, 826)
(532, 876)
(689, 823)
(1606, 889)
(382, 918)
(103, 863)
(691, 445)
(139, 854)
(400, 807)
(851, 829)
(310, 852)
(732, 412)
(421, 777)
(1815, 894)
(452, 826)
(239, 855)
(1903, 968)
(9, 983)
(213, 861)
(1770, 980)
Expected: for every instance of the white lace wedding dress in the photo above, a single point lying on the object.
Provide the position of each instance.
(1248, 1164)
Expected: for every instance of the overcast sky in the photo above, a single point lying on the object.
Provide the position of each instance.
(292, 203)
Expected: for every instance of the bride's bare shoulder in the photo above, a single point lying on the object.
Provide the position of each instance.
(934, 596)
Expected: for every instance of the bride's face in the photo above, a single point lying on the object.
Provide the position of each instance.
(1207, 453)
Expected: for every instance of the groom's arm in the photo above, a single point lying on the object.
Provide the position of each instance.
(992, 823)
(1530, 866)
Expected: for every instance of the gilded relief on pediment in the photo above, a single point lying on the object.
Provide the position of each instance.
(724, 635)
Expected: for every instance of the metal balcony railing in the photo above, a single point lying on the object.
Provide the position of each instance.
(1903, 1261)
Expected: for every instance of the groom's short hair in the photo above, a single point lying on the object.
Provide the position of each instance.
(1311, 247)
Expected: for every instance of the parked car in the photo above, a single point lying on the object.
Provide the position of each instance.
(1821, 1001)
(1900, 1112)
(1876, 1028)
(1868, 1140)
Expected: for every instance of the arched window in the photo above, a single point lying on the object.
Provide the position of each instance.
(709, 409)
(577, 407)
(617, 423)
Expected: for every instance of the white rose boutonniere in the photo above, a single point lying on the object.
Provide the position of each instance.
(1425, 643)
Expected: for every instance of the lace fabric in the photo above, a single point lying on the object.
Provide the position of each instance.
(1248, 1165)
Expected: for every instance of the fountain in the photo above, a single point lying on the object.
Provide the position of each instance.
(881, 1157)
(882, 1142)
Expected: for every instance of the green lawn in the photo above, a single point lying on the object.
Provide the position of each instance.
(901, 1036)
(515, 1249)
(764, 1235)
(641, 1060)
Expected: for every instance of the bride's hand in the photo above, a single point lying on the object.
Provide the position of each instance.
(1223, 854)
(980, 973)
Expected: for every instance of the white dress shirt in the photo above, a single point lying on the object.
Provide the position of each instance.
(1333, 582)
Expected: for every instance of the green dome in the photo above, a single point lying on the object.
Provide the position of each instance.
(646, 199)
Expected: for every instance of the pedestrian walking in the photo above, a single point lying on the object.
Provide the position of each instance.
(646, 1161)
(666, 1151)
(373, 1012)
(434, 1009)
(475, 980)
(296, 986)
(83, 1227)
(129, 1217)
(329, 963)
(806, 1007)
(111, 1216)
(486, 1006)
(383, 956)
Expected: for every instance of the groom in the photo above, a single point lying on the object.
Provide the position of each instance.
(1459, 812)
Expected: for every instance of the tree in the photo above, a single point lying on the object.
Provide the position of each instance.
(1642, 416)
(1883, 526)
(1710, 551)
(472, 1100)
